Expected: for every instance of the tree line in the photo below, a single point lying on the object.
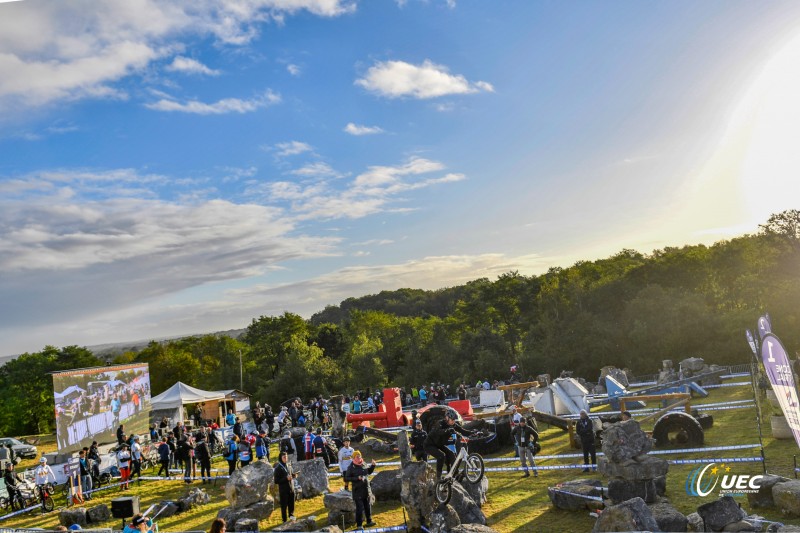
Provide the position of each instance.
(629, 310)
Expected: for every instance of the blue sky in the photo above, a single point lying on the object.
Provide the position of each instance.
(182, 167)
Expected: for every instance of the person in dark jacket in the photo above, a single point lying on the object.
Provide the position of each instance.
(164, 454)
(283, 477)
(232, 453)
(320, 447)
(120, 434)
(436, 443)
(184, 453)
(12, 481)
(417, 441)
(203, 456)
(524, 438)
(238, 429)
(585, 430)
(262, 445)
(94, 456)
(358, 475)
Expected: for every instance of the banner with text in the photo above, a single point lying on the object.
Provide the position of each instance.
(779, 372)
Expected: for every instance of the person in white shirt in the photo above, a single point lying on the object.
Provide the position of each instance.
(345, 458)
(136, 457)
(43, 472)
(124, 462)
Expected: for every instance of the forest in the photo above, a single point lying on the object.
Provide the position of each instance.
(629, 310)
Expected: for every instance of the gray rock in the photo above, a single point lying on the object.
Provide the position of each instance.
(380, 446)
(328, 529)
(787, 497)
(342, 501)
(404, 448)
(625, 440)
(313, 477)
(193, 498)
(643, 467)
(668, 518)
(621, 490)
(98, 513)
(386, 485)
(257, 511)
(472, 528)
(417, 493)
(444, 519)
(248, 485)
(694, 522)
(741, 525)
(692, 364)
(763, 498)
(632, 515)
(76, 515)
(567, 495)
(167, 509)
(661, 485)
(468, 511)
(718, 514)
(304, 524)
(247, 524)
(478, 491)
(343, 519)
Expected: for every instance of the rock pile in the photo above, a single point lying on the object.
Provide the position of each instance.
(83, 516)
(694, 366)
(631, 472)
(247, 491)
(342, 508)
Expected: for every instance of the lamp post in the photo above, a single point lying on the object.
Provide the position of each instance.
(241, 375)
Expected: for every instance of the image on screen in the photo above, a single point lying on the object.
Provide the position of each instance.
(91, 403)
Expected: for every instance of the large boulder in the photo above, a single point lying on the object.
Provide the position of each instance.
(98, 513)
(694, 522)
(642, 467)
(692, 365)
(468, 511)
(76, 515)
(248, 485)
(418, 480)
(478, 491)
(341, 507)
(472, 528)
(763, 498)
(632, 515)
(621, 490)
(443, 519)
(404, 448)
(569, 495)
(386, 485)
(668, 518)
(615, 373)
(718, 514)
(166, 509)
(786, 496)
(625, 440)
(313, 477)
(258, 511)
(247, 524)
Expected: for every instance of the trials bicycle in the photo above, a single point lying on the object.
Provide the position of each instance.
(467, 466)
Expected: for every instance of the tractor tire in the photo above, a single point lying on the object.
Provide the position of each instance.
(484, 445)
(684, 430)
(706, 421)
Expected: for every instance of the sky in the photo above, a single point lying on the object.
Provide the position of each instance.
(185, 166)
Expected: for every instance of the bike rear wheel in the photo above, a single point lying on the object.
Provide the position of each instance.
(474, 468)
(47, 503)
(443, 492)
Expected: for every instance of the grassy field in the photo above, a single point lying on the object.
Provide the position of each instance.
(515, 504)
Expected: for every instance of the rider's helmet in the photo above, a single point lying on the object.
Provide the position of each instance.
(43, 461)
(451, 414)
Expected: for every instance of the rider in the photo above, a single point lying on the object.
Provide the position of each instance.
(43, 473)
(436, 442)
(12, 481)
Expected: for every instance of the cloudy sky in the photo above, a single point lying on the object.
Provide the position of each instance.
(182, 166)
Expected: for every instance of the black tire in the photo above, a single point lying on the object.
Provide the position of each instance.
(484, 444)
(48, 504)
(4, 502)
(474, 468)
(679, 429)
(431, 418)
(104, 479)
(443, 492)
(706, 421)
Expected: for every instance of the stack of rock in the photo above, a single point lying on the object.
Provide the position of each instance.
(83, 517)
(667, 373)
(631, 471)
(247, 491)
(695, 366)
(615, 373)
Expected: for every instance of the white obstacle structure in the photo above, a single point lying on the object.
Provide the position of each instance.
(562, 397)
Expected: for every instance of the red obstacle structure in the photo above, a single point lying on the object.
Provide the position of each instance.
(390, 413)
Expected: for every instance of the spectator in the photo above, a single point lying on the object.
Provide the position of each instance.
(585, 430)
(288, 445)
(136, 457)
(417, 441)
(203, 456)
(164, 454)
(525, 437)
(120, 434)
(12, 481)
(320, 447)
(124, 463)
(284, 477)
(230, 418)
(423, 396)
(232, 453)
(86, 472)
(462, 391)
(308, 445)
(356, 405)
(358, 475)
(262, 445)
(245, 452)
(345, 458)
(218, 526)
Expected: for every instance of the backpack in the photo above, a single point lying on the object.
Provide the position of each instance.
(244, 451)
(286, 446)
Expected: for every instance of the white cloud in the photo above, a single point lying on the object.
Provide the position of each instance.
(221, 107)
(188, 65)
(368, 193)
(356, 129)
(316, 170)
(290, 148)
(293, 69)
(396, 79)
(61, 51)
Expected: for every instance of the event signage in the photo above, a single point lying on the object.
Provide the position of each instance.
(764, 326)
(780, 374)
(751, 341)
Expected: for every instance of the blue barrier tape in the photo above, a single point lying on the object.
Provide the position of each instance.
(21, 511)
(734, 384)
(716, 460)
(584, 496)
(655, 452)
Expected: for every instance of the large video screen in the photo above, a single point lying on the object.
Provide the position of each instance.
(91, 403)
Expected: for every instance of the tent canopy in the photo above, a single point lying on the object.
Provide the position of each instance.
(180, 394)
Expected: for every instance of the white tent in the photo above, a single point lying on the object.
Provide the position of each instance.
(180, 394)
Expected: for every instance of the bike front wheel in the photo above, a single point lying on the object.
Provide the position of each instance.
(48, 504)
(474, 468)
(443, 492)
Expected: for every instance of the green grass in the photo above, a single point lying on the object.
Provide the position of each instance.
(515, 504)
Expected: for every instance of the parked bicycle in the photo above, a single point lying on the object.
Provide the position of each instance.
(467, 466)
